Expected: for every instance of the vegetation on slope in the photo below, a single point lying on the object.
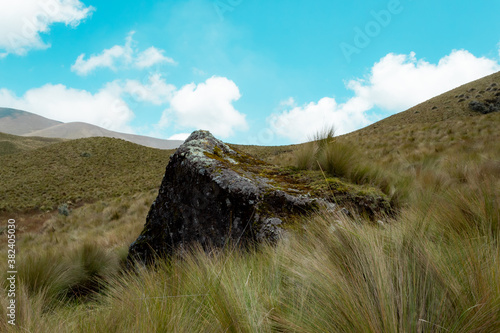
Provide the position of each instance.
(11, 144)
(444, 125)
(440, 139)
(78, 171)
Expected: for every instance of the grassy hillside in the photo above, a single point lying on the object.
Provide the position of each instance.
(78, 171)
(440, 141)
(11, 144)
(442, 125)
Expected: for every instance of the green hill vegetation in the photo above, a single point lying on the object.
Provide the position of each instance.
(11, 144)
(77, 171)
(432, 267)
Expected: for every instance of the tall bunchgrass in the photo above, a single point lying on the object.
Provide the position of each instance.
(402, 278)
(51, 281)
(202, 292)
(433, 269)
(338, 158)
(77, 273)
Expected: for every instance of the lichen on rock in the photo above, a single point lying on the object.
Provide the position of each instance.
(214, 195)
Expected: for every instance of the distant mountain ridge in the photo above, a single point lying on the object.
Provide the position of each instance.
(19, 122)
(27, 124)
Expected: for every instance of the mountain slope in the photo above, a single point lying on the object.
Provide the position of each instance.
(443, 124)
(19, 122)
(25, 123)
(79, 130)
(450, 105)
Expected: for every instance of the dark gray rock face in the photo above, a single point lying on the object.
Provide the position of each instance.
(214, 195)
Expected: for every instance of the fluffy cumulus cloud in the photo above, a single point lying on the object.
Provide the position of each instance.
(107, 58)
(105, 108)
(120, 56)
(152, 56)
(400, 81)
(155, 90)
(395, 83)
(299, 123)
(208, 105)
(22, 22)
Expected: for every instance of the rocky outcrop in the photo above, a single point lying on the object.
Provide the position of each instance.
(490, 105)
(215, 195)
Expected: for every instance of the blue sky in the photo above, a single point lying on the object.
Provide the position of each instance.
(251, 71)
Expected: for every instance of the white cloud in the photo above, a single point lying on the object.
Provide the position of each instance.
(179, 136)
(290, 102)
(104, 108)
(107, 58)
(22, 22)
(207, 106)
(398, 82)
(395, 83)
(120, 56)
(152, 56)
(301, 122)
(156, 91)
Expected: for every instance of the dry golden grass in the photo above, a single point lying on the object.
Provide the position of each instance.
(111, 224)
(431, 270)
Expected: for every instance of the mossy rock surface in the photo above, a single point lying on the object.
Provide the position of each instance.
(214, 195)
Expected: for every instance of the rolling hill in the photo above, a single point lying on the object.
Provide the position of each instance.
(444, 123)
(77, 171)
(11, 144)
(19, 122)
(79, 130)
(440, 126)
(27, 124)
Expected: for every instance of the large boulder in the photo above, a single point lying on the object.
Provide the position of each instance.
(215, 195)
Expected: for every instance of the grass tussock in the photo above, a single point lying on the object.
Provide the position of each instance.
(77, 273)
(336, 158)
